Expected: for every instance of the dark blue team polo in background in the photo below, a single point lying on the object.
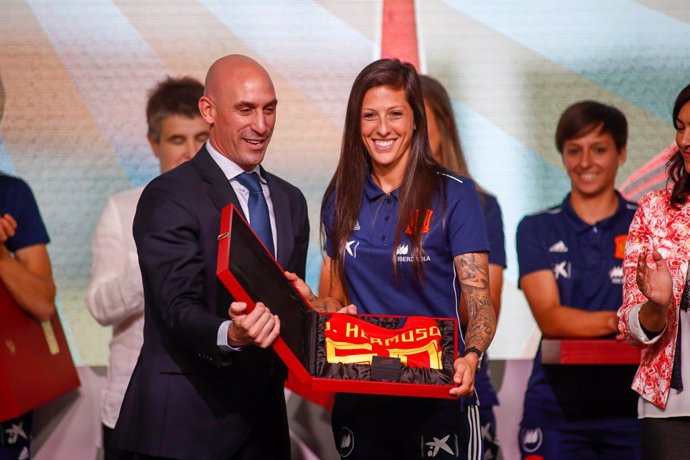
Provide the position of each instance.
(497, 256)
(369, 251)
(586, 261)
(17, 200)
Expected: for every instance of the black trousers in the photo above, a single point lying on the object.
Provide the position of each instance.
(256, 449)
(111, 452)
(665, 438)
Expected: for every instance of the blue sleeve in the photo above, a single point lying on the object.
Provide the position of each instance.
(494, 228)
(530, 250)
(465, 218)
(18, 201)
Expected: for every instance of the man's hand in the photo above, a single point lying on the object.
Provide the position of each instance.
(7, 227)
(465, 368)
(260, 327)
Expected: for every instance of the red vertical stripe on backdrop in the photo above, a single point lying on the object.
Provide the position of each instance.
(399, 31)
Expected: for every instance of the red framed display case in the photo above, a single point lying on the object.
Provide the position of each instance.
(593, 351)
(35, 362)
(251, 274)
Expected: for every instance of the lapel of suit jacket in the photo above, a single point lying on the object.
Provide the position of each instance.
(281, 212)
(222, 192)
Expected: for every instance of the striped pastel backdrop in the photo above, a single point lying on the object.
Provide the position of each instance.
(75, 75)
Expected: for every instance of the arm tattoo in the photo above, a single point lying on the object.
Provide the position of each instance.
(473, 273)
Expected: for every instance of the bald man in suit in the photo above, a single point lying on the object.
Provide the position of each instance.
(207, 385)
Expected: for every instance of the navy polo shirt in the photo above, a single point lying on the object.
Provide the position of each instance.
(497, 256)
(494, 229)
(369, 251)
(586, 260)
(17, 200)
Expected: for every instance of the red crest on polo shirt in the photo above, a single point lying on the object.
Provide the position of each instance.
(414, 221)
(620, 246)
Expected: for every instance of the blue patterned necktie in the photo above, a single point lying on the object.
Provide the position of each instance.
(259, 219)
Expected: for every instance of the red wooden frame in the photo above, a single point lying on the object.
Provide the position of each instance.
(302, 375)
(592, 351)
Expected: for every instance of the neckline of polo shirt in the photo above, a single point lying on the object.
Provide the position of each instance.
(604, 224)
(373, 191)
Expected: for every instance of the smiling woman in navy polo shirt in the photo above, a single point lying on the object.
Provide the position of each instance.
(404, 236)
(570, 259)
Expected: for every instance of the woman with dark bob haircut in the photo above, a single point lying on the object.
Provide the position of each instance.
(404, 236)
(656, 295)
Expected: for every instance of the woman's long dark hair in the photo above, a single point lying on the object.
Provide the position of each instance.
(437, 99)
(675, 167)
(420, 181)
(451, 155)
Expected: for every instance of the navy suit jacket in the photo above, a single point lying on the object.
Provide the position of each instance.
(186, 399)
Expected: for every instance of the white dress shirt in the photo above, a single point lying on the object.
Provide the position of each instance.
(231, 171)
(115, 295)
